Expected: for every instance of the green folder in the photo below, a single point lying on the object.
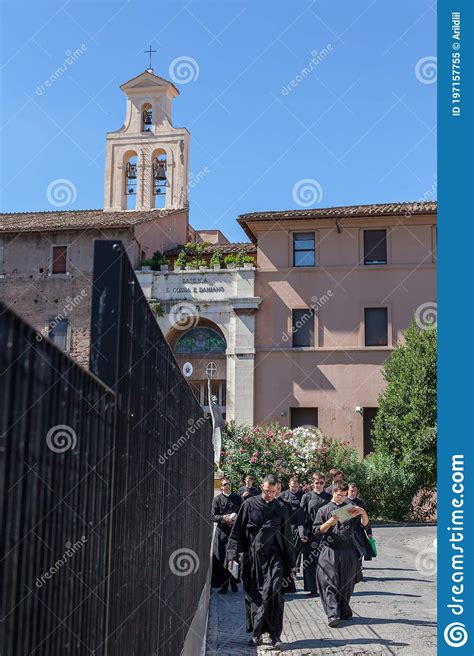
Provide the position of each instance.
(373, 545)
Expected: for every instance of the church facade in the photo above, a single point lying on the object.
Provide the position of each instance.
(294, 327)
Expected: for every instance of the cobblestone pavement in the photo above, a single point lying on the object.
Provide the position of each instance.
(394, 608)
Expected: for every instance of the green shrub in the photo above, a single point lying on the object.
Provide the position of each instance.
(386, 487)
(405, 425)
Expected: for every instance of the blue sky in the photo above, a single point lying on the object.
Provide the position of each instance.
(361, 126)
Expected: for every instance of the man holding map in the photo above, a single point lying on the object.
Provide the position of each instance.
(338, 561)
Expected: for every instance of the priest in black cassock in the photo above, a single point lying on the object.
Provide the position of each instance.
(225, 507)
(334, 475)
(310, 504)
(248, 490)
(262, 532)
(338, 561)
(292, 499)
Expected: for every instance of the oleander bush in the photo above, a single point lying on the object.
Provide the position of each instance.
(387, 487)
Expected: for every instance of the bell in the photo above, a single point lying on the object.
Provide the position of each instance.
(160, 171)
(147, 118)
(131, 171)
(131, 190)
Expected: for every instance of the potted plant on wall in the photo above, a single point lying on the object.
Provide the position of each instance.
(217, 259)
(159, 262)
(230, 261)
(181, 260)
(147, 265)
(243, 260)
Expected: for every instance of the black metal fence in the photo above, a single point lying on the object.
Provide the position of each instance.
(105, 484)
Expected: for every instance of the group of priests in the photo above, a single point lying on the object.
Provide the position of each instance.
(263, 536)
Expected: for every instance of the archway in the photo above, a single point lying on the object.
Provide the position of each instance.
(204, 347)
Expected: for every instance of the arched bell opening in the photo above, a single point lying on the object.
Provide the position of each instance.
(147, 118)
(161, 183)
(130, 180)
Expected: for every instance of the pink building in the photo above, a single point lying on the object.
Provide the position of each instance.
(337, 287)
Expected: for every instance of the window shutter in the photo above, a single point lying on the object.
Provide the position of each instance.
(59, 259)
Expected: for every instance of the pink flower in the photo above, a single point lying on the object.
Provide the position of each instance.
(222, 453)
(270, 435)
(255, 453)
(266, 453)
(245, 439)
(253, 459)
(241, 450)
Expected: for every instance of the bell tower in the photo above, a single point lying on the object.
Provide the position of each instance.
(146, 163)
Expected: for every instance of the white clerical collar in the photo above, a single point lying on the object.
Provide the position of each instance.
(227, 494)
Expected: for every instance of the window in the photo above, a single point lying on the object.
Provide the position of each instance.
(201, 340)
(303, 417)
(376, 326)
(59, 259)
(375, 247)
(369, 417)
(58, 333)
(303, 327)
(304, 249)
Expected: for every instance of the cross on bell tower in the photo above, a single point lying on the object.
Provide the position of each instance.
(149, 52)
(147, 158)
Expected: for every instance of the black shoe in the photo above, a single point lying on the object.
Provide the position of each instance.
(254, 642)
(223, 590)
(234, 587)
(276, 641)
(333, 621)
(347, 615)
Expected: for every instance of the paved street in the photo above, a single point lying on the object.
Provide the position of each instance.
(394, 608)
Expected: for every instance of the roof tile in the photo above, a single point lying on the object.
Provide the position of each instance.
(78, 219)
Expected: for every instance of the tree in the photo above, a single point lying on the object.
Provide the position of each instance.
(405, 425)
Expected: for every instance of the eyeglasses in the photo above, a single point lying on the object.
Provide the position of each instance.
(225, 484)
(318, 482)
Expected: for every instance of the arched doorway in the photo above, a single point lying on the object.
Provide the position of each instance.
(204, 346)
